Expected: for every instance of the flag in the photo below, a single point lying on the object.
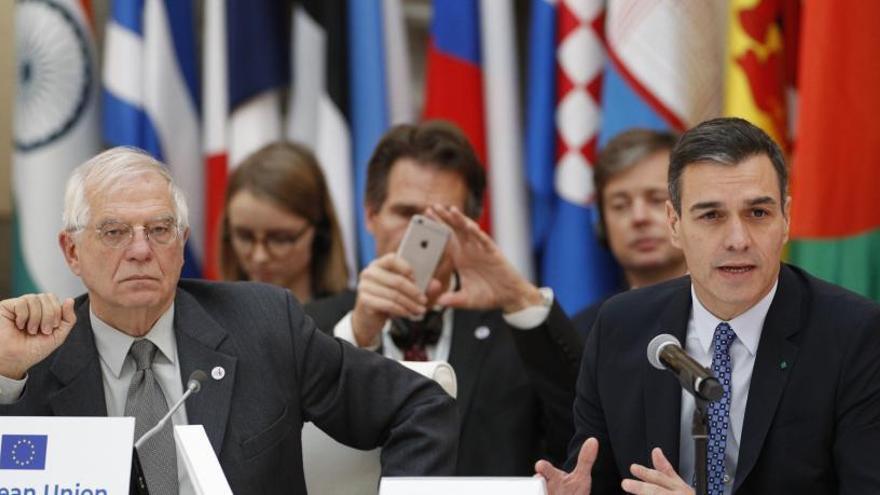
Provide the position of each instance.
(215, 112)
(454, 79)
(835, 225)
(665, 67)
(56, 128)
(318, 105)
(507, 186)
(380, 91)
(23, 452)
(565, 78)
(472, 82)
(755, 86)
(258, 68)
(151, 97)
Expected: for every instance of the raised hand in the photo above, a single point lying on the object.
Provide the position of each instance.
(386, 289)
(577, 482)
(31, 327)
(662, 480)
(488, 280)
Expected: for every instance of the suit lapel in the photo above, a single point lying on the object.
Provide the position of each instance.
(769, 375)
(662, 391)
(78, 370)
(202, 344)
(466, 355)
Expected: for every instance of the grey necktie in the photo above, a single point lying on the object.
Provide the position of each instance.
(146, 403)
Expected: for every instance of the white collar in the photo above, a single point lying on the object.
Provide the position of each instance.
(113, 344)
(747, 326)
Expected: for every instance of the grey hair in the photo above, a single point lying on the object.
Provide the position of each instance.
(107, 168)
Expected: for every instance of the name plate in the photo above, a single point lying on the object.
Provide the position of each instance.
(462, 486)
(200, 461)
(65, 455)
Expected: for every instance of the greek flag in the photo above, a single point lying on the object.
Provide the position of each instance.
(150, 96)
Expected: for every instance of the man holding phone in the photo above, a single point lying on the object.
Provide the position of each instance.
(514, 351)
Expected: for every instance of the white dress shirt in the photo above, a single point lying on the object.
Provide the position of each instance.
(524, 319)
(700, 331)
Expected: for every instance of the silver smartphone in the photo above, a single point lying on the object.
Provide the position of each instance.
(422, 247)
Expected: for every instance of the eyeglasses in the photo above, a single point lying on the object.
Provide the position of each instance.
(278, 243)
(120, 235)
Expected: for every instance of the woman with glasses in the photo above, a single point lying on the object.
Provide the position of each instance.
(279, 225)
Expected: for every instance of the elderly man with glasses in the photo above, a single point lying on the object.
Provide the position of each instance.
(124, 348)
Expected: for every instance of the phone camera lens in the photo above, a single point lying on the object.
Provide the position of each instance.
(424, 244)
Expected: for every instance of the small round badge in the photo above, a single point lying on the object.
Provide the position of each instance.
(482, 332)
(218, 373)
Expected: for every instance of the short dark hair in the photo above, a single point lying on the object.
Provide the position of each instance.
(431, 143)
(620, 154)
(725, 141)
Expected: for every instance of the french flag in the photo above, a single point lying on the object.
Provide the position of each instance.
(151, 97)
(472, 82)
(246, 66)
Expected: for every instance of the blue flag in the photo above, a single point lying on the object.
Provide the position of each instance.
(23, 452)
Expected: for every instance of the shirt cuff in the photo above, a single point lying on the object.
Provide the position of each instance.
(343, 330)
(10, 390)
(532, 316)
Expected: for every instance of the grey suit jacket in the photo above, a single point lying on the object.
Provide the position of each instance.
(515, 387)
(812, 420)
(280, 372)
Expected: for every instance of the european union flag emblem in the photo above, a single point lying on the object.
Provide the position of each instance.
(23, 451)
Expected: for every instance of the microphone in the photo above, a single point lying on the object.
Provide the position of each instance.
(193, 386)
(665, 353)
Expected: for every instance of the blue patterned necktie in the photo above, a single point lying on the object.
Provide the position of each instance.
(719, 411)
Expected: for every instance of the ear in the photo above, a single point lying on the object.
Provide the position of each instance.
(673, 222)
(370, 215)
(786, 215)
(67, 241)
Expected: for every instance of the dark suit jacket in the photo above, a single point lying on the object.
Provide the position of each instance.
(515, 387)
(280, 372)
(812, 421)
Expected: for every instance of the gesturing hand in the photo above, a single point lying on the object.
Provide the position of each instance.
(577, 482)
(31, 327)
(662, 480)
(488, 280)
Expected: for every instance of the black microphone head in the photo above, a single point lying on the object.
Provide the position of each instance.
(710, 389)
(656, 345)
(195, 380)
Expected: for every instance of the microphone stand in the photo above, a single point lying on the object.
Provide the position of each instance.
(138, 483)
(700, 432)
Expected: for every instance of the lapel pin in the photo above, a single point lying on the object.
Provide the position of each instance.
(218, 373)
(482, 332)
(783, 365)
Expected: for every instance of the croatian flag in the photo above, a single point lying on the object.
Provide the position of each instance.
(151, 97)
(565, 80)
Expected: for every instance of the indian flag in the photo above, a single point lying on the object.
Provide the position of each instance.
(836, 168)
(56, 128)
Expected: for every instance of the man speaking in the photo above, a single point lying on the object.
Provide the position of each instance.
(125, 348)
(798, 358)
